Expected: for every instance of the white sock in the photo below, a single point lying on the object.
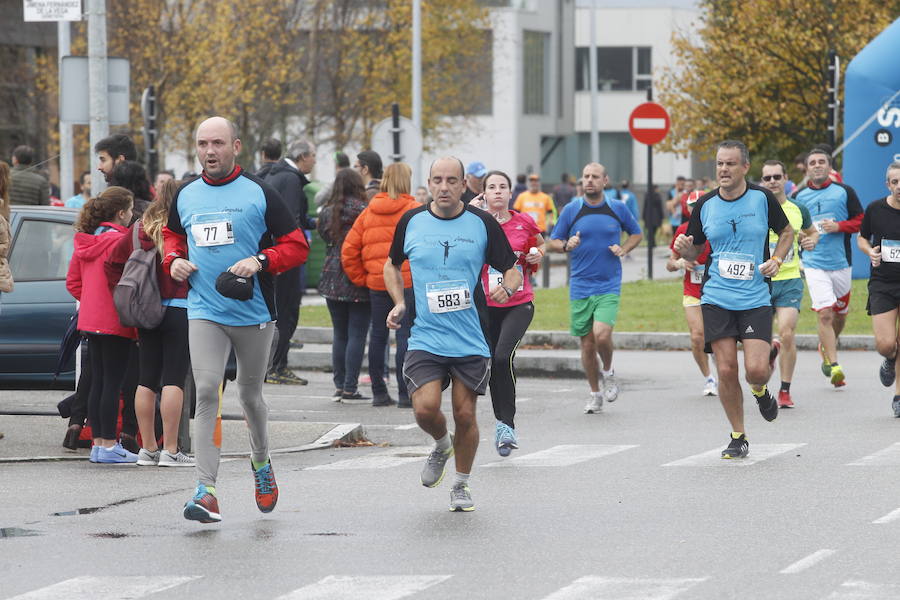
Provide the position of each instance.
(443, 444)
(609, 373)
(461, 479)
(596, 394)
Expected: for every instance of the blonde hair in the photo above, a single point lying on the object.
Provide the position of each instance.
(396, 180)
(4, 190)
(157, 214)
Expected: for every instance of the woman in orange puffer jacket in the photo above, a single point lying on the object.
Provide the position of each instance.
(363, 255)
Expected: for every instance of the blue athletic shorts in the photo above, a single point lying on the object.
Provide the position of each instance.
(787, 293)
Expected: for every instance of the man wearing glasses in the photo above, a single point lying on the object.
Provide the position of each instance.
(787, 286)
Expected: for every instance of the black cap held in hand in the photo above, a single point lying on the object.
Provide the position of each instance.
(234, 286)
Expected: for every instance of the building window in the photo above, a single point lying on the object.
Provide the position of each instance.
(619, 68)
(536, 72)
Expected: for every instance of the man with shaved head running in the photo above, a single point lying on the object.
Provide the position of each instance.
(447, 242)
(228, 233)
(590, 228)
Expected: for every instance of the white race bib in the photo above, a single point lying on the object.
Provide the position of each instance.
(890, 251)
(819, 220)
(735, 265)
(495, 278)
(212, 229)
(448, 296)
(697, 275)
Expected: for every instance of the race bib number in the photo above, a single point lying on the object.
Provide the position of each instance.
(697, 275)
(212, 229)
(890, 251)
(495, 278)
(790, 254)
(448, 296)
(819, 220)
(734, 265)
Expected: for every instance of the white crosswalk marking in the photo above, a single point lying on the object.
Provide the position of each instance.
(864, 590)
(394, 458)
(621, 588)
(90, 588)
(887, 457)
(377, 587)
(888, 518)
(807, 561)
(562, 456)
(713, 458)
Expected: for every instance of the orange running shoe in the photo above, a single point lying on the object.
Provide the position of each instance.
(266, 489)
(202, 507)
(784, 399)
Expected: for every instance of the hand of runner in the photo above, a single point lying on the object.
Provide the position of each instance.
(769, 268)
(246, 267)
(808, 242)
(687, 265)
(683, 243)
(534, 258)
(617, 250)
(830, 226)
(181, 269)
(572, 242)
(478, 201)
(395, 317)
(499, 295)
(875, 256)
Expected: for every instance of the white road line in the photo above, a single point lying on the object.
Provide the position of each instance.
(394, 458)
(888, 518)
(886, 457)
(562, 456)
(713, 458)
(407, 426)
(378, 587)
(89, 588)
(864, 590)
(620, 588)
(808, 561)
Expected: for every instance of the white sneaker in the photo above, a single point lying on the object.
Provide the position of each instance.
(146, 458)
(711, 388)
(179, 459)
(610, 387)
(595, 404)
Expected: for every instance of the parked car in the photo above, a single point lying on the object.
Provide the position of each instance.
(35, 315)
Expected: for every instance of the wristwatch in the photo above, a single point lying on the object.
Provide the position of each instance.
(509, 292)
(263, 261)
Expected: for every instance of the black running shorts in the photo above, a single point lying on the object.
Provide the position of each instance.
(751, 324)
(883, 297)
(421, 367)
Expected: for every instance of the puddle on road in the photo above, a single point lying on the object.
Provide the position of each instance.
(78, 511)
(8, 532)
(92, 509)
(331, 534)
(110, 535)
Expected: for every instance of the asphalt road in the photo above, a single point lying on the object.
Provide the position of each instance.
(633, 503)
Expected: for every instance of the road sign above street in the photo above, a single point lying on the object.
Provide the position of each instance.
(649, 123)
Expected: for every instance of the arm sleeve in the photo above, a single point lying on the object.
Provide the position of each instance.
(865, 228)
(804, 215)
(561, 229)
(777, 219)
(499, 253)
(289, 248)
(629, 223)
(695, 226)
(73, 278)
(351, 252)
(397, 253)
(854, 212)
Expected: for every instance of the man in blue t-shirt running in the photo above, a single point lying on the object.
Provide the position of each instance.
(736, 301)
(447, 243)
(590, 228)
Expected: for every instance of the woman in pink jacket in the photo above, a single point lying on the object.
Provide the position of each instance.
(102, 221)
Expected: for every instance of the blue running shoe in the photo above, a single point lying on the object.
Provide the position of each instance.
(506, 439)
(94, 450)
(117, 455)
(203, 507)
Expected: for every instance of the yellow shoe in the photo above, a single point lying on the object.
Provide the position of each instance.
(826, 365)
(837, 376)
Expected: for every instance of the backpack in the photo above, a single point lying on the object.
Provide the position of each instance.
(136, 296)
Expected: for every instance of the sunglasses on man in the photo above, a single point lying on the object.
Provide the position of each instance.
(771, 177)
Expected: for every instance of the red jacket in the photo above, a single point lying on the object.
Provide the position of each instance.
(115, 264)
(87, 282)
(368, 243)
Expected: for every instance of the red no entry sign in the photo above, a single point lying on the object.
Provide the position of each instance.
(649, 123)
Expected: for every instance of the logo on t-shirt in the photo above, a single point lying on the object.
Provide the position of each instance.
(734, 225)
(447, 245)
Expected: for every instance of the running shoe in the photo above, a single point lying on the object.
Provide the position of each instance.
(266, 490)
(506, 439)
(290, 378)
(179, 459)
(148, 458)
(784, 399)
(610, 388)
(117, 455)
(355, 396)
(94, 451)
(129, 442)
(336, 397)
(887, 373)
(435, 465)
(383, 399)
(595, 404)
(768, 407)
(711, 387)
(895, 404)
(773, 353)
(826, 364)
(837, 376)
(461, 498)
(737, 448)
(203, 507)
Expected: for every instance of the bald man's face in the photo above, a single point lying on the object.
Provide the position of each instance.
(216, 149)
(446, 182)
(594, 179)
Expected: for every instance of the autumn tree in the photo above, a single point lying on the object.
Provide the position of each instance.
(758, 71)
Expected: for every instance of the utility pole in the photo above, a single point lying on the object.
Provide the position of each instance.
(592, 62)
(66, 163)
(417, 84)
(97, 81)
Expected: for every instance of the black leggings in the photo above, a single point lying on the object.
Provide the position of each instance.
(109, 360)
(507, 326)
(164, 351)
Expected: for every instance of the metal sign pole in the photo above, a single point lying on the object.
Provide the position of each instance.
(97, 80)
(66, 162)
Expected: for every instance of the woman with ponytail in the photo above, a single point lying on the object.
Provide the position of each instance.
(101, 223)
(163, 351)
